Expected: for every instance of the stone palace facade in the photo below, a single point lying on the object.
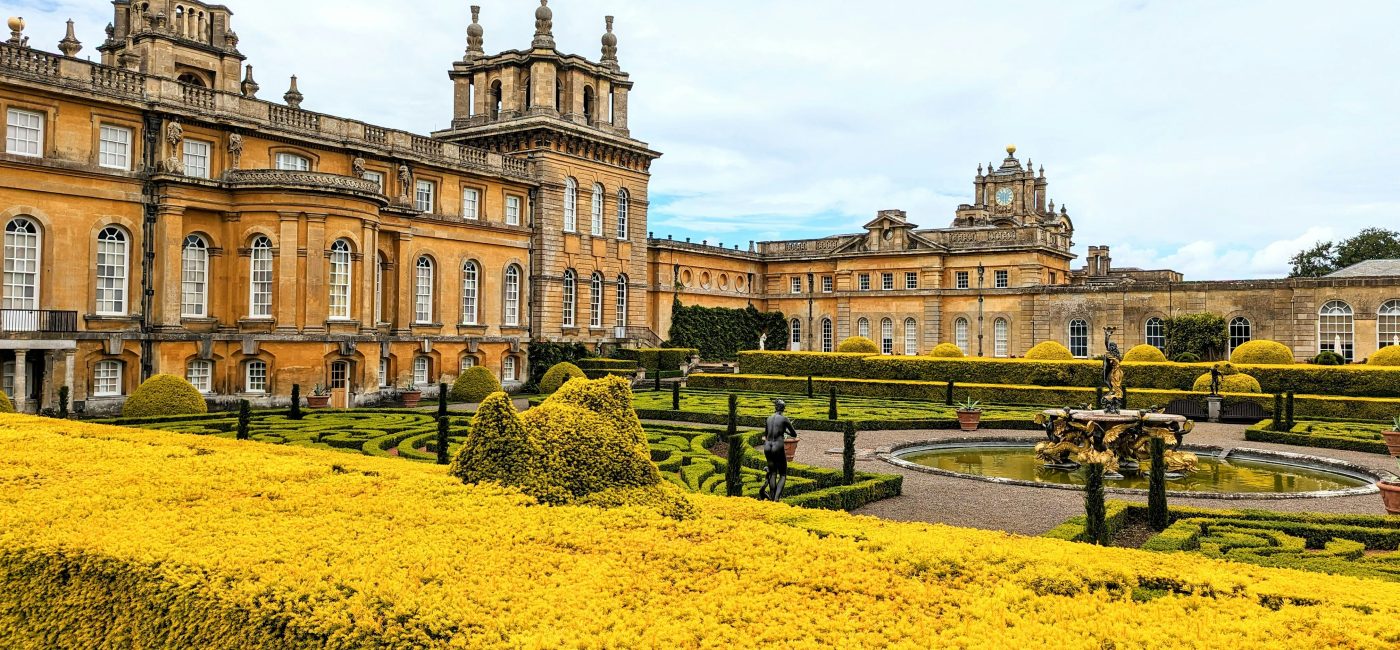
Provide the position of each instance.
(250, 245)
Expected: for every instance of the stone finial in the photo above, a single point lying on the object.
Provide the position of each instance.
(70, 45)
(249, 86)
(544, 27)
(293, 96)
(609, 44)
(1042, 171)
(17, 37)
(979, 169)
(475, 33)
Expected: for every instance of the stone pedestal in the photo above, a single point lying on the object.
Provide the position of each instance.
(1213, 407)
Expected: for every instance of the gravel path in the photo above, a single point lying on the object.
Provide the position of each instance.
(1032, 511)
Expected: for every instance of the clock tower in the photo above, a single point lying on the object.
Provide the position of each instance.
(1010, 195)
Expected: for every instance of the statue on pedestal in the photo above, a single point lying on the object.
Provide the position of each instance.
(1112, 373)
(775, 431)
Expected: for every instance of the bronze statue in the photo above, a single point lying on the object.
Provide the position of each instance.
(1112, 373)
(775, 431)
(1215, 380)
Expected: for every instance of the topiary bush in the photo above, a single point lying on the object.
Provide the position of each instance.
(164, 395)
(1049, 351)
(474, 385)
(947, 351)
(859, 344)
(1145, 354)
(1261, 352)
(1187, 357)
(558, 375)
(1386, 356)
(6, 406)
(1329, 358)
(1236, 383)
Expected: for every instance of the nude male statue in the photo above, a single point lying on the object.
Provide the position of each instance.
(775, 431)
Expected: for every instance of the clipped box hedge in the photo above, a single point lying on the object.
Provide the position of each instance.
(1351, 381)
(669, 358)
(1326, 438)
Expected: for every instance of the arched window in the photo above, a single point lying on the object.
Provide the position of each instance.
(111, 271)
(496, 100)
(570, 205)
(1157, 333)
(1079, 338)
(422, 370)
(827, 335)
(1241, 332)
(623, 208)
(911, 337)
(194, 278)
(512, 301)
(597, 210)
(559, 95)
(470, 282)
(570, 297)
(200, 373)
(795, 334)
(1388, 324)
(423, 291)
(340, 279)
(863, 327)
(255, 377)
(260, 278)
(621, 315)
(1335, 331)
(107, 378)
(886, 336)
(1001, 338)
(595, 301)
(529, 94)
(21, 264)
(960, 335)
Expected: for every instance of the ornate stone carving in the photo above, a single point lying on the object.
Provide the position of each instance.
(300, 178)
(475, 40)
(17, 37)
(293, 96)
(250, 87)
(358, 167)
(235, 150)
(544, 27)
(405, 182)
(70, 45)
(174, 137)
(609, 45)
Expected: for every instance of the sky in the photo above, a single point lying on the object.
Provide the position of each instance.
(1216, 138)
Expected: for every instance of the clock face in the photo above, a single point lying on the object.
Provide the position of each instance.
(1004, 196)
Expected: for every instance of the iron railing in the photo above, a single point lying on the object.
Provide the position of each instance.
(38, 320)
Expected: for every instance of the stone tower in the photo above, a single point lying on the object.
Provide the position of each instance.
(189, 41)
(568, 116)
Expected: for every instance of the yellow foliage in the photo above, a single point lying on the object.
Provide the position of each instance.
(6, 406)
(1049, 351)
(1262, 352)
(164, 395)
(473, 385)
(558, 375)
(1236, 383)
(859, 344)
(1145, 354)
(1386, 356)
(123, 538)
(947, 351)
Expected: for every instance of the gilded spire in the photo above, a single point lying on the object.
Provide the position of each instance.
(475, 34)
(544, 27)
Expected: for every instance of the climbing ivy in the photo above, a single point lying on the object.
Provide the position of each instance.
(720, 333)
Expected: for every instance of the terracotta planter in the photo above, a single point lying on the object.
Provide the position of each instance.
(1392, 442)
(317, 401)
(410, 398)
(790, 447)
(1390, 494)
(969, 420)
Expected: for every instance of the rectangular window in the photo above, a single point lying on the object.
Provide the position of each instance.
(865, 282)
(114, 147)
(383, 372)
(1053, 277)
(468, 362)
(1003, 279)
(796, 284)
(197, 159)
(106, 379)
(512, 210)
(376, 178)
(24, 133)
(962, 281)
(470, 202)
(256, 379)
(293, 163)
(911, 280)
(826, 284)
(508, 369)
(420, 371)
(200, 374)
(887, 281)
(424, 196)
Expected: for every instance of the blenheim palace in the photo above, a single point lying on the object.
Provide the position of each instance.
(160, 217)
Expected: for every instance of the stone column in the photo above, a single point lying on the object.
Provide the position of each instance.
(369, 267)
(21, 396)
(75, 392)
(287, 283)
(403, 294)
(170, 231)
(620, 107)
(317, 300)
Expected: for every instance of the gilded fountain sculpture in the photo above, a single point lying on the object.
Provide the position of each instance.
(1117, 437)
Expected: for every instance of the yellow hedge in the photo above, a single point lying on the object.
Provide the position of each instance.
(164, 395)
(1262, 352)
(1233, 383)
(1049, 351)
(859, 344)
(473, 385)
(558, 375)
(6, 406)
(1386, 356)
(947, 351)
(1145, 354)
(121, 538)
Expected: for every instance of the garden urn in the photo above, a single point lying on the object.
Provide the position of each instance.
(410, 398)
(790, 447)
(317, 401)
(1392, 442)
(1390, 494)
(969, 419)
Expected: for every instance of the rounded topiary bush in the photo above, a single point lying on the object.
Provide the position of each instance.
(1262, 352)
(164, 395)
(1386, 356)
(1049, 351)
(1145, 354)
(6, 406)
(558, 375)
(858, 344)
(1187, 357)
(473, 385)
(947, 351)
(1329, 358)
(1236, 383)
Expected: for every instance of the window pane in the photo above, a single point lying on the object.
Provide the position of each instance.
(570, 205)
(106, 379)
(196, 159)
(887, 336)
(194, 278)
(425, 196)
(1079, 338)
(512, 311)
(24, 133)
(624, 209)
(960, 336)
(1388, 324)
(595, 301)
(1000, 337)
(256, 377)
(597, 210)
(293, 162)
(200, 373)
(826, 335)
(340, 280)
(111, 271)
(260, 279)
(911, 337)
(21, 264)
(570, 298)
(621, 320)
(469, 204)
(423, 291)
(512, 211)
(114, 147)
(469, 288)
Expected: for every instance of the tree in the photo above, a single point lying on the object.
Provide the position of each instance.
(1314, 262)
(1204, 335)
(1326, 257)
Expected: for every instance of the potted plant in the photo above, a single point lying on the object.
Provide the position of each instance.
(410, 395)
(790, 448)
(970, 415)
(1390, 490)
(1392, 438)
(320, 396)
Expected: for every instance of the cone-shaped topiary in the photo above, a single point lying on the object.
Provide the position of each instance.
(1262, 352)
(1145, 354)
(1386, 356)
(558, 375)
(6, 406)
(1049, 351)
(164, 395)
(947, 351)
(1236, 383)
(858, 344)
(474, 384)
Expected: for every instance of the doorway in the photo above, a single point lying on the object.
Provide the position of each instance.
(340, 385)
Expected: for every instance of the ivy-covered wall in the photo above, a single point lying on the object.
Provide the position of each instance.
(720, 333)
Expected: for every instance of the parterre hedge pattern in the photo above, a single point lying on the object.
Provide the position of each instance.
(712, 407)
(669, 358)
(1351, 436)
(174, 541)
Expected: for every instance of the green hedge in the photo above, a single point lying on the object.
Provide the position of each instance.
(720, 332)
(606, 364)
(1353, 381)
(1324, 439)
(669, 358)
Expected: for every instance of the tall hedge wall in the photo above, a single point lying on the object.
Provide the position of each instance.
(1351, 381)
(720, 332)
